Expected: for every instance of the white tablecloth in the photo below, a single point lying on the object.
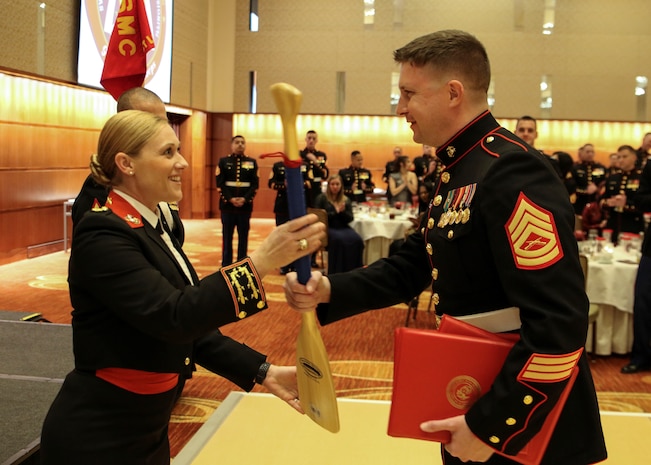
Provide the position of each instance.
(611, 286)
(379, 232)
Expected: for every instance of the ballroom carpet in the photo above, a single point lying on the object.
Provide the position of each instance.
(360, 348)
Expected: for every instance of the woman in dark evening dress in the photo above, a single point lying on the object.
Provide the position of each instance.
(345, 246)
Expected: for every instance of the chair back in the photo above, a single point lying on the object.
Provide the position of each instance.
(323, 218)
(584, 266)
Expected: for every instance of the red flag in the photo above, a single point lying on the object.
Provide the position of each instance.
(125, 64)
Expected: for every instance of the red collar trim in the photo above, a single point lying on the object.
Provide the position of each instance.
(124, 210)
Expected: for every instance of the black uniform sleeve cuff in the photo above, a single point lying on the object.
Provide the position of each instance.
(246, 288)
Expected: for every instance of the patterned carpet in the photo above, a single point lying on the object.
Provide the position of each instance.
(360, 348)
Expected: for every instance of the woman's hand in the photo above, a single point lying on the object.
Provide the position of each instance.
(281, 382)
(288, 242)
(464, 444)
(304, 298)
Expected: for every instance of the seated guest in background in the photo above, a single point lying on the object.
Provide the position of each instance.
(424, 195)
(357, 180)
(137, 98)
(403, 183)
(593, 218)
(619, 198)
(142, 317)
(425, 190)
(345, 246)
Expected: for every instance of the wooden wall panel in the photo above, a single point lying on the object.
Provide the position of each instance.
(28, 189)
(48, 131)
(23, 229)
(37, 146)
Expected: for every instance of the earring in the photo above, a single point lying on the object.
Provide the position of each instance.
(130, 173)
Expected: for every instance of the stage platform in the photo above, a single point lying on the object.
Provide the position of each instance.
(35, 359)
(250, 428)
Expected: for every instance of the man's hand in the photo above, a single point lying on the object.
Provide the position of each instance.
(304, 298)
(464, 444)
(238, 201)
(592, 188)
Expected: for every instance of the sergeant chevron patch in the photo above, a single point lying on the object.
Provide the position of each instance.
(546, 368)
(533, 237)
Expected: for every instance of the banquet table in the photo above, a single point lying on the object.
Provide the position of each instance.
(379, 230)
(610, 284)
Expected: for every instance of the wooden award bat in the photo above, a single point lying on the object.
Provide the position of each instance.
(316, 390)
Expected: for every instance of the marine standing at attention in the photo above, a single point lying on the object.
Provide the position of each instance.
(237, 179)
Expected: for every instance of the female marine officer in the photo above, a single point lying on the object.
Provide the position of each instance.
(141, 315)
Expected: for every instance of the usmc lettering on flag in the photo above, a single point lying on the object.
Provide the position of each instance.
(533, 237)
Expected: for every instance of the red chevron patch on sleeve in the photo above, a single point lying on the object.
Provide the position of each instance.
(532, 235)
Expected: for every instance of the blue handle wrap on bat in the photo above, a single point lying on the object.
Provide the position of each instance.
(296, 205)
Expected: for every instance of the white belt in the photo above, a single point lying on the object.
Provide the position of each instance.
(317, 179)
(358, 191)
(237, 184)
(496, 321)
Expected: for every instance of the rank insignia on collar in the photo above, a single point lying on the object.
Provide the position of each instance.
(97, 207)
(533, 236)
(450, 151)
(132, 219)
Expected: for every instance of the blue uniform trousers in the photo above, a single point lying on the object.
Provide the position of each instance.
(230, 221)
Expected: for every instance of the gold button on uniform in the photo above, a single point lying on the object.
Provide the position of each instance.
(435, 298)
(445, 177)
(528, 400)
(430, 223)
(435, 274)
(437, 200)
(186, 361)
(241, 315)
(490, 139)
(511, 421)
(494, 439)
(450, 234)
(429, 248)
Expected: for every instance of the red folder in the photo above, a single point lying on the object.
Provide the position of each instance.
(439, 374)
